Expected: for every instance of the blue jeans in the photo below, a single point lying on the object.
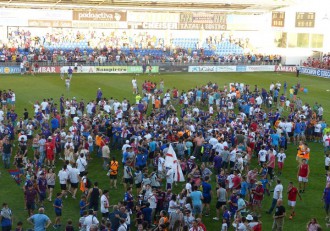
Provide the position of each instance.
(6, 160)
(273, 205)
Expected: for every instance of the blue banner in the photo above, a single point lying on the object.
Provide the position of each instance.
(10, 70)
(315, 72)
(240, 68)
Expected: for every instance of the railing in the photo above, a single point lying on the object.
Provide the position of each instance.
(155, 62)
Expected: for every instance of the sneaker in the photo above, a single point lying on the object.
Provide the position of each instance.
(60, 158)
(215, 218)
(207, 214)
(73, 197)
(55, 226)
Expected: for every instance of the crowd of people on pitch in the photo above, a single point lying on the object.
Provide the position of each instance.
(216, 132)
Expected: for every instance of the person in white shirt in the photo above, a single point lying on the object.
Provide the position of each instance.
(327, 163)
(278, 191)
(280, 161)
(90, 220)
(74, 179)
(262, 156)
(105, 204)
(81, 164)
(63, 177)
(134, 84)
(169, 178)
(317, 132)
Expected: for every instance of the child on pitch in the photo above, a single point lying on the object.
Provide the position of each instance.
(67, 83)
(58, 205)
(280, 161)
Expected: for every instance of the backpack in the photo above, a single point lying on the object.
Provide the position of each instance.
(114, 167)
(88, 183)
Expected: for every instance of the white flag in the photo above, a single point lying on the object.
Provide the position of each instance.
(172, 161)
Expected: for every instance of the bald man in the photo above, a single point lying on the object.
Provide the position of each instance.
(40, 221)
(279, 216)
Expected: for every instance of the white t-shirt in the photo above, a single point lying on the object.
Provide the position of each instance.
(161, 162)
(90, 220)
(1, 115)
(104, 204)
(278, 189)
(81, 164)
(169, 176)
(327, 161)
(134, 83)
(74, 175)
(188, 188)
(262, 155)
(63, 176)
(281, 157)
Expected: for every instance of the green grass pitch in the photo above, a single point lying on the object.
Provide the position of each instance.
(84, 86)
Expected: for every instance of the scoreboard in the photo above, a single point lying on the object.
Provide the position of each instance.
(305, 19)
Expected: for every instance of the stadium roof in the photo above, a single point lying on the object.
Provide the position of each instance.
(243, 6)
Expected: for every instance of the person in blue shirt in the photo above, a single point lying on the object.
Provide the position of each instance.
(152, 149)
(265, 184)
(40, 221)
(58, 210)
(207, 195)
(244, 187)
(207, 148)
(283, 141)
(70, 71)
(147, 211)
(275, 140)
(83, 205)
(297, 132)
(54, 124)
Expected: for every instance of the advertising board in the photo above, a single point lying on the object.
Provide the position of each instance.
(212, 69)
(315, 72)
(123, 69)
(285, 68)
(10, 70)
(99, 15)
(260, 68)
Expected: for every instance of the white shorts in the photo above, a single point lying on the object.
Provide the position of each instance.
(292, 203)
(302, 179)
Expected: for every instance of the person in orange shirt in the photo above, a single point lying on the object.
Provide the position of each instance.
(157, 104)
(301, 151)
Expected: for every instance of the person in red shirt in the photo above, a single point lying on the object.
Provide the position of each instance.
(50, 151)
(292, 198)
(236, 181)
(258, 196)
(303, 173)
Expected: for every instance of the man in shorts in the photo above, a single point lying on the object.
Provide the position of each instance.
(303, 174)
(197, 197)
(58, 210)
(222, 200)
(258, 196)
(63, 176)
(292, 198)
(49, 146)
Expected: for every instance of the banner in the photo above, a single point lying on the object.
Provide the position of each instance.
(97, 25)
(99, 15)
(111, 69)
(49, 69)
(49, 23)
(260, 68)
(152, 17)
(171, 68)
(212, 69)
(10, 70)
(285, 68)
(240, 68)
(315, 72)
(138, 69)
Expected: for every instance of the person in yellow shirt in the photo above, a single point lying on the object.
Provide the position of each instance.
(137, 98)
